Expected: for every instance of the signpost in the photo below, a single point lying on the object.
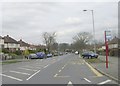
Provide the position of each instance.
(107, 38)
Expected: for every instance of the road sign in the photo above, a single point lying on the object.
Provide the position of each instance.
(108, 35)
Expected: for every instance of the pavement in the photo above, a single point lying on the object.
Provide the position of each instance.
(66, 69)
(111, 71)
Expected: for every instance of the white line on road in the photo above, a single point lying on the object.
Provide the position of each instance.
(19, 72)
(87, 80)
(64, 66)
(105, 82)
(59, 70)
(11, 77)
(33, 75)
(27, 69)
(69, 82)
(55, 75)
(46, 66)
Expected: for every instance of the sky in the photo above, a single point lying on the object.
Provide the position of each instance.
(27, 20)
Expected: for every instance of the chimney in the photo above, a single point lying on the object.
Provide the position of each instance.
(7, 35)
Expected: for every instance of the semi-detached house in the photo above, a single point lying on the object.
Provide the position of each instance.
(10, 43)
(1, 43)
(23, 45)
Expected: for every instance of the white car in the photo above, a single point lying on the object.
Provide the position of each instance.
(76, 52)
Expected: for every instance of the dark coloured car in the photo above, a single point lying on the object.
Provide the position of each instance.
(89, 55)
(41, 55)
(38, 55)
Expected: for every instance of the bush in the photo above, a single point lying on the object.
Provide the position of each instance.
(18, 52)
(5, 50)
(113, 52)
(26, 52)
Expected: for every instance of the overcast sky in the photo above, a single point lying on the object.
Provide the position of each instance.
(28, 20)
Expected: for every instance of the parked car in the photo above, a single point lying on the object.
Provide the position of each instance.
(76, 52)
(41, 55)
(90, 55)
(32, 56)
(49, 55)
(60, 53)
(55, 54)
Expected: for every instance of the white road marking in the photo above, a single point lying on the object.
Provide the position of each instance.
(55, 75)
(64, 66)
(69, 82)
(33, 75)
(104, 82)
(19, 72)
(87, 80)
(59, 70)
(27, 69)
(11, 77)
(46, 66)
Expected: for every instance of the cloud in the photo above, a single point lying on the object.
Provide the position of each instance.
(28, 20)
(72, 20)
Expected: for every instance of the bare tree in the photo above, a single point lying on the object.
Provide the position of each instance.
(49, 39)
(81, 40)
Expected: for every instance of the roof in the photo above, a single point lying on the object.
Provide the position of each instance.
(22, 43)
(8, 39)
(114, 41)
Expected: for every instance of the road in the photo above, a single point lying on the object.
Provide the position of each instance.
(66, 69)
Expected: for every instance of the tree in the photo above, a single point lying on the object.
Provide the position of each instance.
(63, 46)
(81, 40)
(49, 39)
(54, 46)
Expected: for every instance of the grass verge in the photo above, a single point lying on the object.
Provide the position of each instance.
(9, 62)
(95, 60)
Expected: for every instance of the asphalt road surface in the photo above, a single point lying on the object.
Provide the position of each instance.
(66, 69)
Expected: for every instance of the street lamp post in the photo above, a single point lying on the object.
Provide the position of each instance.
(93, 29)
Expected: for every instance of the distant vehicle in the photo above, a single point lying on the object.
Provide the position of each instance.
(76, 52)
(90, 54)
(49, 55)
(32, 56)
(60, 53)
(66, 52)
(55, 54)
